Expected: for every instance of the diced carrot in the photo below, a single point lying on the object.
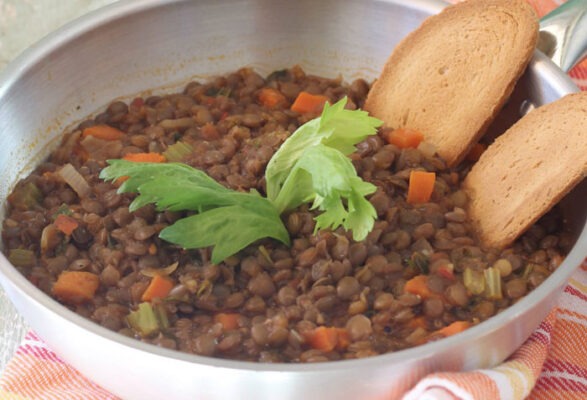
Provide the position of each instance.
(152, 249)
(76, 286)
(229, 321)
(404, 138)
(65, 223)
(309, 103)
(323, 338)
(421, 186)
(475, 152)
(159, 287)
(103, 132)
(271, 98)
(343, 340)
(454, 328)
(419, 285)
(144, 157)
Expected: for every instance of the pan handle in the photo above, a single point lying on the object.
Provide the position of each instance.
(563, 34)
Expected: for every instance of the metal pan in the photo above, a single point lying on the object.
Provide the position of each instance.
(132, 46)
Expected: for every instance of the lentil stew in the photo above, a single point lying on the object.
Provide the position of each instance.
(419, 275)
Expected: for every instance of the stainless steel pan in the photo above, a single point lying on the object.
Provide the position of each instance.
(135, 45)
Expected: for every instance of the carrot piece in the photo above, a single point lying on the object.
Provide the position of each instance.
(66, 224)
(229, 321)
(76, 286)
(454, 328)
(144, 157)
(309, 103)
(343, 340)
(404, 138)
(271, 98)
(475, 153)
(323, 338)
(103, 132)
(419, 285)
(158, 288)
(421, 186)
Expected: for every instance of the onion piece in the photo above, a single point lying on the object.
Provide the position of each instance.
(151, 272)
(74, 179)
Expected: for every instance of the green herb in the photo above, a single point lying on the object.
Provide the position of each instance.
(225, 219)
(63, 209)
(419, 261)
(310, 167)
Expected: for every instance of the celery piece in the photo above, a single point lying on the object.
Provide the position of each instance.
(22, 258)
(492, 284)
(177, 151)
(474, 281)
(144, 320)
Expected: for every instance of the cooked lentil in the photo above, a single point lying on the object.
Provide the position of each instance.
(279, 294)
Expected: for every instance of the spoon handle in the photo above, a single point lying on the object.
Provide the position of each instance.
(563, 34)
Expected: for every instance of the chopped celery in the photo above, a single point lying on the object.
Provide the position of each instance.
(22, 258)
(26, 197)
(474, 281)
(493, 284)
(144, 320)
(177, 151)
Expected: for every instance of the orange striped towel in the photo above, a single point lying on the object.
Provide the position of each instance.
(549, 365)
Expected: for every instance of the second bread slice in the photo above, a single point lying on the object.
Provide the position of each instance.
(450, 77)
(528, 169)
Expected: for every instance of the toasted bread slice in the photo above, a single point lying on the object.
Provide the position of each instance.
(528, 169)
(451, 76)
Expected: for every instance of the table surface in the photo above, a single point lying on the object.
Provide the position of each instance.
(22, 23)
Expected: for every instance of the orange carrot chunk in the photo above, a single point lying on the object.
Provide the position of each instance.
(159, 287)
(76, 287)
(229, 321)
(454, 328)
(323, 338)
(103, 132)
(404, 138)
(309, 103)
(144, 157)
(419, 285)
(326, 338)
(271, 98)
(421, 186)
(66, 224)
(343, 339)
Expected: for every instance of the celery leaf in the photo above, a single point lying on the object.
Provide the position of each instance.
(337, 128)
(226, 219)
(328, 178)
(312, 166)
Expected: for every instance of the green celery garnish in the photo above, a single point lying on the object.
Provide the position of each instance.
(226, 219)
(310, 166)
(326, 177)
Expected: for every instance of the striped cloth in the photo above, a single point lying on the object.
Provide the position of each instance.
(550, 365)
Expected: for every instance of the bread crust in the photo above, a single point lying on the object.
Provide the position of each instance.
(528, 169)
(450, 77)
